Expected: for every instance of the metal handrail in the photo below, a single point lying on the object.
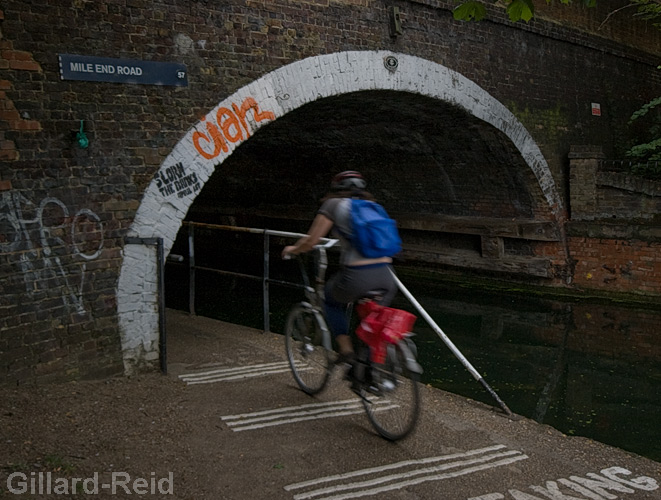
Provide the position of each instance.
(327, 243)
(265, 277)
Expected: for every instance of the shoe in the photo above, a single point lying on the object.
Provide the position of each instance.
(347, 359)
(354, 370)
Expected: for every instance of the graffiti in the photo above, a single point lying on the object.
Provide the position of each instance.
(44, 239)
(173, 180)
(229, 126)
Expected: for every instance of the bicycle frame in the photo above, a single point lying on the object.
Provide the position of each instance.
(315, 299)
(389, 391)
(315, 294)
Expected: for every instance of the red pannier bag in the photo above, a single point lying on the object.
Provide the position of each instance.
(382, 325)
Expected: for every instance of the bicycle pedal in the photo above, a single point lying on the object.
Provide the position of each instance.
(360, 392)
(372, 389)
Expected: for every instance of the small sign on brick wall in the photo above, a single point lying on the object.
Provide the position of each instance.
(106, 69)
(596, 109)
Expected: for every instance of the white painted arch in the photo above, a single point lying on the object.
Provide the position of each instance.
(205, 146)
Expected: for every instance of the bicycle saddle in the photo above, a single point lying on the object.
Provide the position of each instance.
(376, 294)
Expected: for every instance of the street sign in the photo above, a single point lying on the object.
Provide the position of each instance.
(106, 69)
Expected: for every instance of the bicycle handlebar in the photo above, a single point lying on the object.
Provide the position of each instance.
(329, 243)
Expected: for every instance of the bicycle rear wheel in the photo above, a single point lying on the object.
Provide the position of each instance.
(392, 398)
(308, 357)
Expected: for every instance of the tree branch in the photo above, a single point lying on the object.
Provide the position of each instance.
(615, 12)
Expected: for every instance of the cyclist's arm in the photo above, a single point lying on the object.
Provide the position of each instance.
(321, 226)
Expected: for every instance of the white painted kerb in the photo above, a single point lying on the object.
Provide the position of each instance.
(279, 92)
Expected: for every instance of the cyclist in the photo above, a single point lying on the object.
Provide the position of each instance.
(358, 275)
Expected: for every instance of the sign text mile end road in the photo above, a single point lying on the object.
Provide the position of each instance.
(106, 69)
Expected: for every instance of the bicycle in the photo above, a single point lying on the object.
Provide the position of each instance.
(389, 390)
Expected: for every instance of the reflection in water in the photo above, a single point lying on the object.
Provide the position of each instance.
(586, 369)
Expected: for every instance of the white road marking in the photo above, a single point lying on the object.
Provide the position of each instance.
(234, 373)
(292, 414)
(464, 463)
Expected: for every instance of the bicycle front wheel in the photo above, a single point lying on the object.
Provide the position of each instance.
(392, 397)
(308, 357)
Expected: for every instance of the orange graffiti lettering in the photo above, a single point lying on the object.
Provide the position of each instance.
(230, 126)
(228, 121)
(217, 138)
(248, 104)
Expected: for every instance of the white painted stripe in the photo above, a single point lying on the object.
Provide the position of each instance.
(287, 408)
(397, 465)
(316, 411)
(234, 369)
(428, 473)
(237, 377)
(236, 373)
(438, 477)
(292, 414)
(300, 419)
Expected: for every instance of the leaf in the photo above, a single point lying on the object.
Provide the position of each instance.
(642, 150)
(470, 11)
(645, 109)
(521, 9)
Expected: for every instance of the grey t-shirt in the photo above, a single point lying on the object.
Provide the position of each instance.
(339, 211)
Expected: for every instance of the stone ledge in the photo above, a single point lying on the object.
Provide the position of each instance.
(529, 266)
(629, 183)
(619, 231)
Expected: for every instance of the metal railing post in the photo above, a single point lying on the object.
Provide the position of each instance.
(162, 340)
(265, 284)
(160, 287)
(191, 268)
(457, 353)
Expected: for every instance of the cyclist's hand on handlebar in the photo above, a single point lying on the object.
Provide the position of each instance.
(287, 252)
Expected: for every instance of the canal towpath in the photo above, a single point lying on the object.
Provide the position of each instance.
(229, 422)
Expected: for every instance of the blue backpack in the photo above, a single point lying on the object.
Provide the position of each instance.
(374, 234)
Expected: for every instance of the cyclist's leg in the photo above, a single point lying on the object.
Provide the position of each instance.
(351, 284)
(337, 318)
(347, 286)
(383, 276)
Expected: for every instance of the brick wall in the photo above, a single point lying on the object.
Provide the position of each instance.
(614, 231)
(617, 265)
(65, 210)
(599, 190)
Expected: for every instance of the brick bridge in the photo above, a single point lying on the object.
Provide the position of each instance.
(471, 134)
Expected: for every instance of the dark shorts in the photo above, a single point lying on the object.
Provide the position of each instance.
(353, 283)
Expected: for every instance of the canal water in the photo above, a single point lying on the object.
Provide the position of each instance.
(585, 367)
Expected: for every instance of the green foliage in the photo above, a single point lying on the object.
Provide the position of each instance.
(648, 10)
(645, 109)
(524, 10)
(517, 10)
(520, 9)
(650, 151)
(648, 154)
(470, 11)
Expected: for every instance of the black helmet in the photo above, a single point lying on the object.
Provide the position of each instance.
(348, 180)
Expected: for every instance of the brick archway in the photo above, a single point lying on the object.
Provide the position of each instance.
(205, 147)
